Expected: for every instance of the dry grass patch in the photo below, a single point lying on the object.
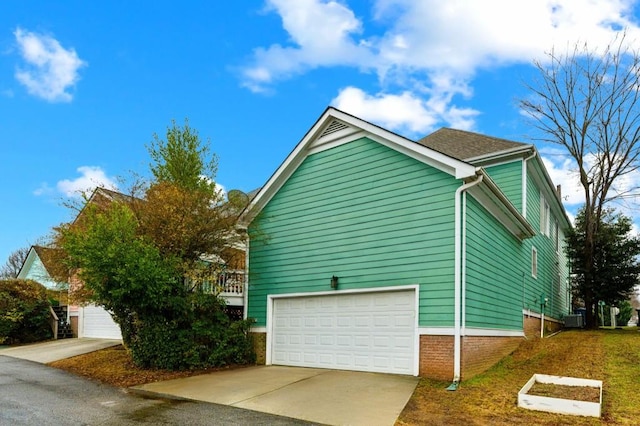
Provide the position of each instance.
(575, 393)
(491, 398)
(115, 367)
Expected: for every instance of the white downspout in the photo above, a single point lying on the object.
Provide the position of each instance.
(458, 280)
(463, 277)
(245, 289)
(524, 183)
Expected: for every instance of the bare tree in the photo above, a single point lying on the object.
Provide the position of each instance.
(14, 263)
(588, 101)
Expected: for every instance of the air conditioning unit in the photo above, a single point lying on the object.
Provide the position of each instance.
(573, 321)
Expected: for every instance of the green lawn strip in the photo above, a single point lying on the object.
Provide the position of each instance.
(622, 376)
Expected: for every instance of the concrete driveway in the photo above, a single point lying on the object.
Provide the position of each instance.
(323, 396)
(56, 350)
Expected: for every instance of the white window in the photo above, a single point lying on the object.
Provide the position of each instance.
(534, 262)
(556, 230)
(544, 216)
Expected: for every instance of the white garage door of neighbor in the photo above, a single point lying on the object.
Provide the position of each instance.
(357, 331)
(98, 323)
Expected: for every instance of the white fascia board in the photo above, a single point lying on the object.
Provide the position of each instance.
(500, 156)
(312, 142)
(543, 180)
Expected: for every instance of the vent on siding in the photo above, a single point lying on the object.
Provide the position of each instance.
(334, 126)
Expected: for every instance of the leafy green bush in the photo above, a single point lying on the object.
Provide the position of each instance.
(24, 312)
(202, 336)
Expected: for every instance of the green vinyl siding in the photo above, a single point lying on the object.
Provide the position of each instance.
(508, 177)
(494, 268)
(552, 263)
(365, 213)
(499, 283)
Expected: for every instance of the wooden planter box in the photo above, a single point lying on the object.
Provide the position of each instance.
(559, 405)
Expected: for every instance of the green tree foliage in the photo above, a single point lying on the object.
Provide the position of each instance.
(24, 312)
(626, 312)
(614, 270)
(144, 260)
(183, 160)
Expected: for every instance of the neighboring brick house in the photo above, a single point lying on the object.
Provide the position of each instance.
(369, 251)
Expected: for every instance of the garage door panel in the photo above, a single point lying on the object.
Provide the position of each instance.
(98, 323)
(363, 331)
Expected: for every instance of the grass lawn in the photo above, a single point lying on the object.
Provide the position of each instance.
(612, 356)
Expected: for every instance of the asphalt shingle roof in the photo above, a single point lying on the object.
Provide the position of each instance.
(464, 145)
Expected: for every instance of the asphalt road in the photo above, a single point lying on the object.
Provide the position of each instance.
(34, 394)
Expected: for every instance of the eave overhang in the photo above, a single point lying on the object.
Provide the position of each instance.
(493, 199)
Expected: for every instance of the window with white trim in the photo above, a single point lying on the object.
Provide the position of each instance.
(534, 262)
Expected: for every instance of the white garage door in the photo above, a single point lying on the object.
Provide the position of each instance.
(97, 322)
(359, 331)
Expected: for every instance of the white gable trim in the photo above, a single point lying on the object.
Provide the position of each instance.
(26, 265)
(348, 129)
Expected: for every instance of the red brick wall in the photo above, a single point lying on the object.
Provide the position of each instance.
(74, 325)
(260, 347)
(479, 353)
(436, 357)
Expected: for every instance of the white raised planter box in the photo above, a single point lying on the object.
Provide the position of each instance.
(559, 405)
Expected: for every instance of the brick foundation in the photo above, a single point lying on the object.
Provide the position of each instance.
(479, 353)
(436, 357)
(260, 347)
(532, 326)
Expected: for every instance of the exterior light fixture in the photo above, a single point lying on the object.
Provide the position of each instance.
(334, 282)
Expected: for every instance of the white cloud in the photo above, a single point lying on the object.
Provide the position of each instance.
(403, 112)
(562, 171)
(429, 49)
(321, 33)
(49, 70)
(90, 178)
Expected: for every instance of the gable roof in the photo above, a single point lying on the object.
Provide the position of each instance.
(48, 258)
(335, 127)
(469, 146)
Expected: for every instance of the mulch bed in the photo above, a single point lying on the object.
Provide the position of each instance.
(115, 367)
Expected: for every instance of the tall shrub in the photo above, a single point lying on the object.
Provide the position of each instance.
(24, 312)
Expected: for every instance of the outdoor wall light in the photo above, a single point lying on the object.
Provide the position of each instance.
(334, 282)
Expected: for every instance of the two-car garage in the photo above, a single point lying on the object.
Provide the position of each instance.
(362, 331)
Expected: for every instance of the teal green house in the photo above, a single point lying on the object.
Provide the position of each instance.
(369, 251)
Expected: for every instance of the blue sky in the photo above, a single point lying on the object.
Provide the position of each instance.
(85, 85)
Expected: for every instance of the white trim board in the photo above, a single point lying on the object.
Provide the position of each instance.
(488, 332)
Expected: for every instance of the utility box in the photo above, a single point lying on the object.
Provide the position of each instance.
(574, 321)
